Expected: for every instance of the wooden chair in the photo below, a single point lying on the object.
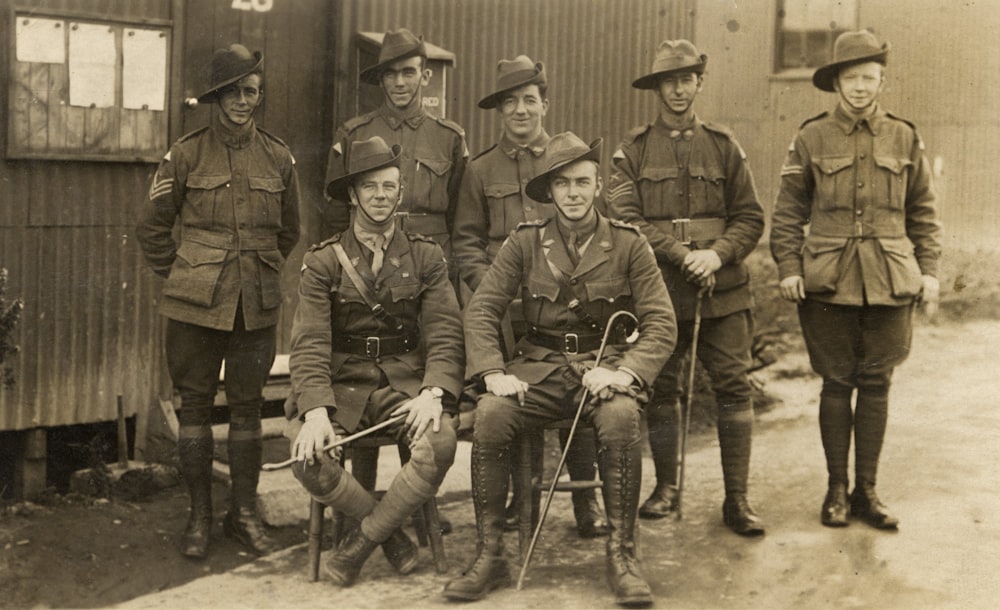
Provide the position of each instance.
(426, 521)
(530, 502)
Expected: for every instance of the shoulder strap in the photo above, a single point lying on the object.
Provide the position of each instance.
(574, 305)
(366, 292)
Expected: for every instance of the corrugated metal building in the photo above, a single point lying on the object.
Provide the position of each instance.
(71, 175)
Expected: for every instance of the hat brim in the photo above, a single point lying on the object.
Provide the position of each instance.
(337, 188)
(538, 187)
(652, 80)
(494, 99)
(823, 77)
(371, 75)
(212, 95)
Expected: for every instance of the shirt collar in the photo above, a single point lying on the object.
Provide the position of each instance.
(536, 146)
(849, 123)
(233, 136)
(367, 238)
(412, 115)
(678, 130)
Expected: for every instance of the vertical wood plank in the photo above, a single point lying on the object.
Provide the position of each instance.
(38, 133)
(20, 91)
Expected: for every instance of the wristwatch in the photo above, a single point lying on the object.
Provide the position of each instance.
(436, 392)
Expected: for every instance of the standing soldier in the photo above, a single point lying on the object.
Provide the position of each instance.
(233, 189)
(492, 202)
(858, 177)
(687, 185)
(377, 332)
(572, 273)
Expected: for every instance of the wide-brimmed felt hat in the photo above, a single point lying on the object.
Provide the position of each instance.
(850, 48)
(228, 66)
(511, 74)
(396, 45)
(563, 149)
(672, 56)
(365, 156)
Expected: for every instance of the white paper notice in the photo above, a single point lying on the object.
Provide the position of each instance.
(41, 40)
(91, 65)
(144, 69)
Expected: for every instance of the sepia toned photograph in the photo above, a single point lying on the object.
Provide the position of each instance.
(499, 304)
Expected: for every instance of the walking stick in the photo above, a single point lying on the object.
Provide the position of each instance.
(569, 439)
(341, 441)
(688, 400)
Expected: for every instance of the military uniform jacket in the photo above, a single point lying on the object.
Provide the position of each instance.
(433, 160)
(864, 189)
(617, 271)
(235, 195)
(413, 287)
(492, 202)
(653, 185)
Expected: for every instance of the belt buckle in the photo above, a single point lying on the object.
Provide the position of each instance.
(373, 347)
(682, 230)
(571, 343)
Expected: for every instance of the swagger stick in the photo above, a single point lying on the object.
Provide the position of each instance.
(688, 401)
(340, 441)
(569, 439)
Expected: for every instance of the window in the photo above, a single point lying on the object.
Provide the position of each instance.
(807, 30)
(86, 89)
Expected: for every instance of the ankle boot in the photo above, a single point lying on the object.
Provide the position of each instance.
(400, 551)
(621, 472)
(196, 470)
(242, 522)
(488, 570)
(866, 505)
(740, 516)
(834, 512)
(661, 503)
(344, 566)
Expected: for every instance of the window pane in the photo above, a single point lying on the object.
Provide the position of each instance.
(807, 29)
(804, 15)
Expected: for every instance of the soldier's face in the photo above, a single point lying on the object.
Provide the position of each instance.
(239, 100)
(859, 85)
(376, 193)
(574, 188)
(402, 81)
(677, 91)
(523, 110)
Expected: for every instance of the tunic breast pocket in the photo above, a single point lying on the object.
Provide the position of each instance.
(608, 295)
(431, 183)
(265, 200)
(658, 189)
(708, 190)
(204, 195)
(503, 204)
(892, 181)
(405, 300)
(834, 182)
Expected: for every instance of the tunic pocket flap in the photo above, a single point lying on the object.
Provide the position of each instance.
(900, 246)
(709, 174)
(271, 184)
(404, 292)
(832, 165)
(195, 254)
(206, 182)
(608, 290)
(500, 191)
(657, 174)
(271, 258)
(892, 164)
(439, 167)
(541, 288)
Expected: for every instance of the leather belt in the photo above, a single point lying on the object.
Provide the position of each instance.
(687, 230)
(568, 343)
(227, 241)
(375, 347)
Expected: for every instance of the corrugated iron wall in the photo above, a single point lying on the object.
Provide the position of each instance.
(592, 50)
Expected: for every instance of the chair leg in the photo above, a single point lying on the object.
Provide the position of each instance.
(316, 510)
(523, 472)
(433, 521)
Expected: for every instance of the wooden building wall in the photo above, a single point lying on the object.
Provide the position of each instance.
(938, 76)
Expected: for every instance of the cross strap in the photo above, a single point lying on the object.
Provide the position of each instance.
(575, 305)
(364, 289)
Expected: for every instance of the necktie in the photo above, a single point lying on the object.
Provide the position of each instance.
(574, 253)
(379, 256)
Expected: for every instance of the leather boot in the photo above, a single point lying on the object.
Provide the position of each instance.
(740, 516)
(661, 503)
(400, 551)
(590, 521)
(580, 464)
(196, 470)
(663, 445)
(834, 512)
(344, 566)
(621, 472)
(866, 505)
(512, 514)
(242, 522)
(489, 569)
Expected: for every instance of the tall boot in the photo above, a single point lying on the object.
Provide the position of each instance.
(489, 570)
(196, 470)
(735, 429)
(512, 514)
(581, 465)
(242, 523)
(870, 417)
(663, 427)
(621, 473)
(835, 422)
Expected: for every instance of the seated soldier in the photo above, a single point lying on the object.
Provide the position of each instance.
(377, 332)
(573, 273)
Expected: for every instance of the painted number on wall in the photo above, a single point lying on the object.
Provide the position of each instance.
(261, 6)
